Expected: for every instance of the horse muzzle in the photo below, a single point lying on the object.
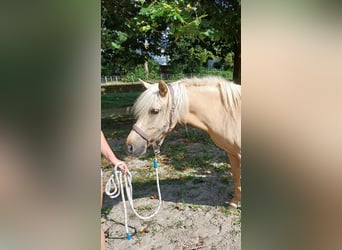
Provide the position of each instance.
(135, 150)
(135, 145)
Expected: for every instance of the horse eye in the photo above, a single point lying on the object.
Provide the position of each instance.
(154, 111)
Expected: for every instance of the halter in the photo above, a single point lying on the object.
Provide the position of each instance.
(163, 131)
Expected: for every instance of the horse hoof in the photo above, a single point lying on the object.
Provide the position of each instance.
(233, 204)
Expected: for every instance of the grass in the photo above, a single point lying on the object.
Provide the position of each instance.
(232, 212)
(194, 207)
(180, 161)
(180, 224)
(148, 207)
(195, 135)
(179, 154)
(117, 122)
(105, 211)
(118, 100)
(228, 74)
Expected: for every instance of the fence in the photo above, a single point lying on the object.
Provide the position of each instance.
(121, 79)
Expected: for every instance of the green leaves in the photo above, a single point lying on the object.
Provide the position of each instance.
(113, 39)
(145, 28)
(115, 45)
(167, 14)
(188, 32)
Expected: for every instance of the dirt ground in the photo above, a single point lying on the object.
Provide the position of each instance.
(195, 185)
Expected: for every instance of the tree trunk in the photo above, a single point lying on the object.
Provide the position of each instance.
(237, 64)
(146, 68)
(237, 47)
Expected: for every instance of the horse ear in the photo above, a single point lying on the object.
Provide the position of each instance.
(162, 88)
(145, 84)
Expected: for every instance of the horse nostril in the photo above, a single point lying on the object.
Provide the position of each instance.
(130, 148)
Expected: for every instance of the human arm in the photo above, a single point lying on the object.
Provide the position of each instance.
(108, 153)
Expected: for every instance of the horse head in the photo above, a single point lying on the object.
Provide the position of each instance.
(154, 113)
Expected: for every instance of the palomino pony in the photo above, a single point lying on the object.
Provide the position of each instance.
(211, 104)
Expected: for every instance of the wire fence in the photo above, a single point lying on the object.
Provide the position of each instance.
(123, 79)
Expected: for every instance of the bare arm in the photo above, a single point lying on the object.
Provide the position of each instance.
(108, 153)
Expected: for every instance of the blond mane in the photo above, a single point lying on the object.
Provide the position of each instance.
(230, 94)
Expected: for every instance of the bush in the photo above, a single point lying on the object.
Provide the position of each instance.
(229, 61)
(139, 72)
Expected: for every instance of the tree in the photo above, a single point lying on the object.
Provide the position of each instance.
(119, 36)
(189, 32)
(222, 28)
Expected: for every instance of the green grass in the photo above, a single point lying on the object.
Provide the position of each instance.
(228, 74)
(105, 211)
(195, 135)
(180, 224)
(118, 100)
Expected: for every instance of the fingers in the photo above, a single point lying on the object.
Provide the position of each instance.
(122, 166)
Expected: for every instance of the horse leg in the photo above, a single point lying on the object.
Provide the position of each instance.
(235, 162)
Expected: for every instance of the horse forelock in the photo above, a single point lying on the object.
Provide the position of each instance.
(151, 95)
(145, 101)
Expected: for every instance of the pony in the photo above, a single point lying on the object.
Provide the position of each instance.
(211, 104)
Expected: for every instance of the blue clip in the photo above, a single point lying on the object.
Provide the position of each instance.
(128, 236)
(155, 163)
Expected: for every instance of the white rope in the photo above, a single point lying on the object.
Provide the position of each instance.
(117, 186)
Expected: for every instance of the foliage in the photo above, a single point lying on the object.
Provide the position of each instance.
(188, 32)
(229, 61)
(139, 72)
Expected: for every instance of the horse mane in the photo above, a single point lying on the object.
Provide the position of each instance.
(230, 94)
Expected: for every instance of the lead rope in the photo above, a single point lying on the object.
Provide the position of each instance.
(117, 186)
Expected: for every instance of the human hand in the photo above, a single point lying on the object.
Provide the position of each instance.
(122, 166)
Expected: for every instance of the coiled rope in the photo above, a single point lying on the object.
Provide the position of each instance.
(114, 187)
